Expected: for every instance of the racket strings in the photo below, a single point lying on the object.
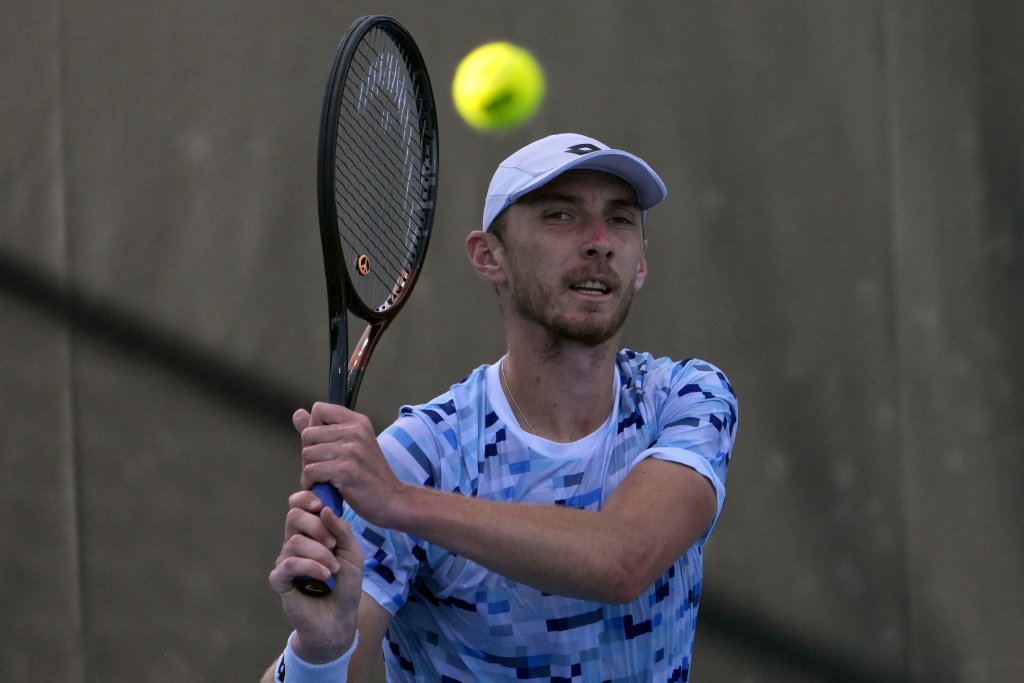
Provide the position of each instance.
(380, 170)
(370, 175)
(390, 256)
(366, 186)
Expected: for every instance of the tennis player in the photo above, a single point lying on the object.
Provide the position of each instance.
(545, 519)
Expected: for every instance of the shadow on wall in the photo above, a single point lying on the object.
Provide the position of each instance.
(105, 323)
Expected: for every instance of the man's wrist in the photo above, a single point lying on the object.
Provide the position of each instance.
(322, 648)
(294, 669)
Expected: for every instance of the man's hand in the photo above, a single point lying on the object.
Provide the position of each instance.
(339, 447)
(319, 544)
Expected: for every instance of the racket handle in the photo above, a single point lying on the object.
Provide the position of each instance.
(306, 584)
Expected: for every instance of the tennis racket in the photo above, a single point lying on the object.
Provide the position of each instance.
(377, 168)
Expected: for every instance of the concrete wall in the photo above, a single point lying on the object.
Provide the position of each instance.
(844, 236)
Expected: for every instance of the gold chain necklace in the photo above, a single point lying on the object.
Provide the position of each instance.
(515, 403)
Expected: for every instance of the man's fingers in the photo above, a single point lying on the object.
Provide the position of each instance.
(299, 522)
(306, 548)
(332, 414)
(347, 547)
(311, 549)
(283, 575)
(354, 429)
(300, 419)
(326, 413)
(305, 500)
(335, 525)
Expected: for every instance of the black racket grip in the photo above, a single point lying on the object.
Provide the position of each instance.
(306, 584)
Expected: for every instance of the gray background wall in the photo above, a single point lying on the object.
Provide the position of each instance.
(844, 235)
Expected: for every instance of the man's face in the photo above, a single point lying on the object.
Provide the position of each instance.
(575, 255)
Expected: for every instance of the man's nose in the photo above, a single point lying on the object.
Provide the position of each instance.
(598, 240)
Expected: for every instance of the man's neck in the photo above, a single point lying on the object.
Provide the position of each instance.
(560, 394)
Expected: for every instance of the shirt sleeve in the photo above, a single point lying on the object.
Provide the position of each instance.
(392, 558)
(697, 425)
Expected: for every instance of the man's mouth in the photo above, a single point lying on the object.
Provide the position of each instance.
(591, 287)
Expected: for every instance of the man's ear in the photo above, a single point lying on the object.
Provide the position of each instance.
(641, 268)
(487, 256)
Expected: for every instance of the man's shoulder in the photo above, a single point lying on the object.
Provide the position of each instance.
(444, 407)
(645, 378)
(437, 440)
(643, 362)
(446, 418)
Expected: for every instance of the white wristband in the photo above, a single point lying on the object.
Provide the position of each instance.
(294, 669)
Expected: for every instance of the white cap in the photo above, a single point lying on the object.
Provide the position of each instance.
(542, 161)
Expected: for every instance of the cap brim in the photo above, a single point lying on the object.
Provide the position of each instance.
(648, 186)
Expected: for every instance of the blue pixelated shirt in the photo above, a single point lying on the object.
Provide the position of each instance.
(453, 620)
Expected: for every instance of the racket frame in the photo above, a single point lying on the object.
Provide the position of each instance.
(346, 374)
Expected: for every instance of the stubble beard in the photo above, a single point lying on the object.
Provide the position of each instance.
(533, 301)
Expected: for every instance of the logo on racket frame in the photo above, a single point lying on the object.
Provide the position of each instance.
(363, 264)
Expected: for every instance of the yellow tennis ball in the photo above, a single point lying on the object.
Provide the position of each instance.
(498, 86)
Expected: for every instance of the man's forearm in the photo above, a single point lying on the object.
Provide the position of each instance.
(609, 556)
(555, 549)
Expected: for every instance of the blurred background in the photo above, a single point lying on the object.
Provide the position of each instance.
(844, 236)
